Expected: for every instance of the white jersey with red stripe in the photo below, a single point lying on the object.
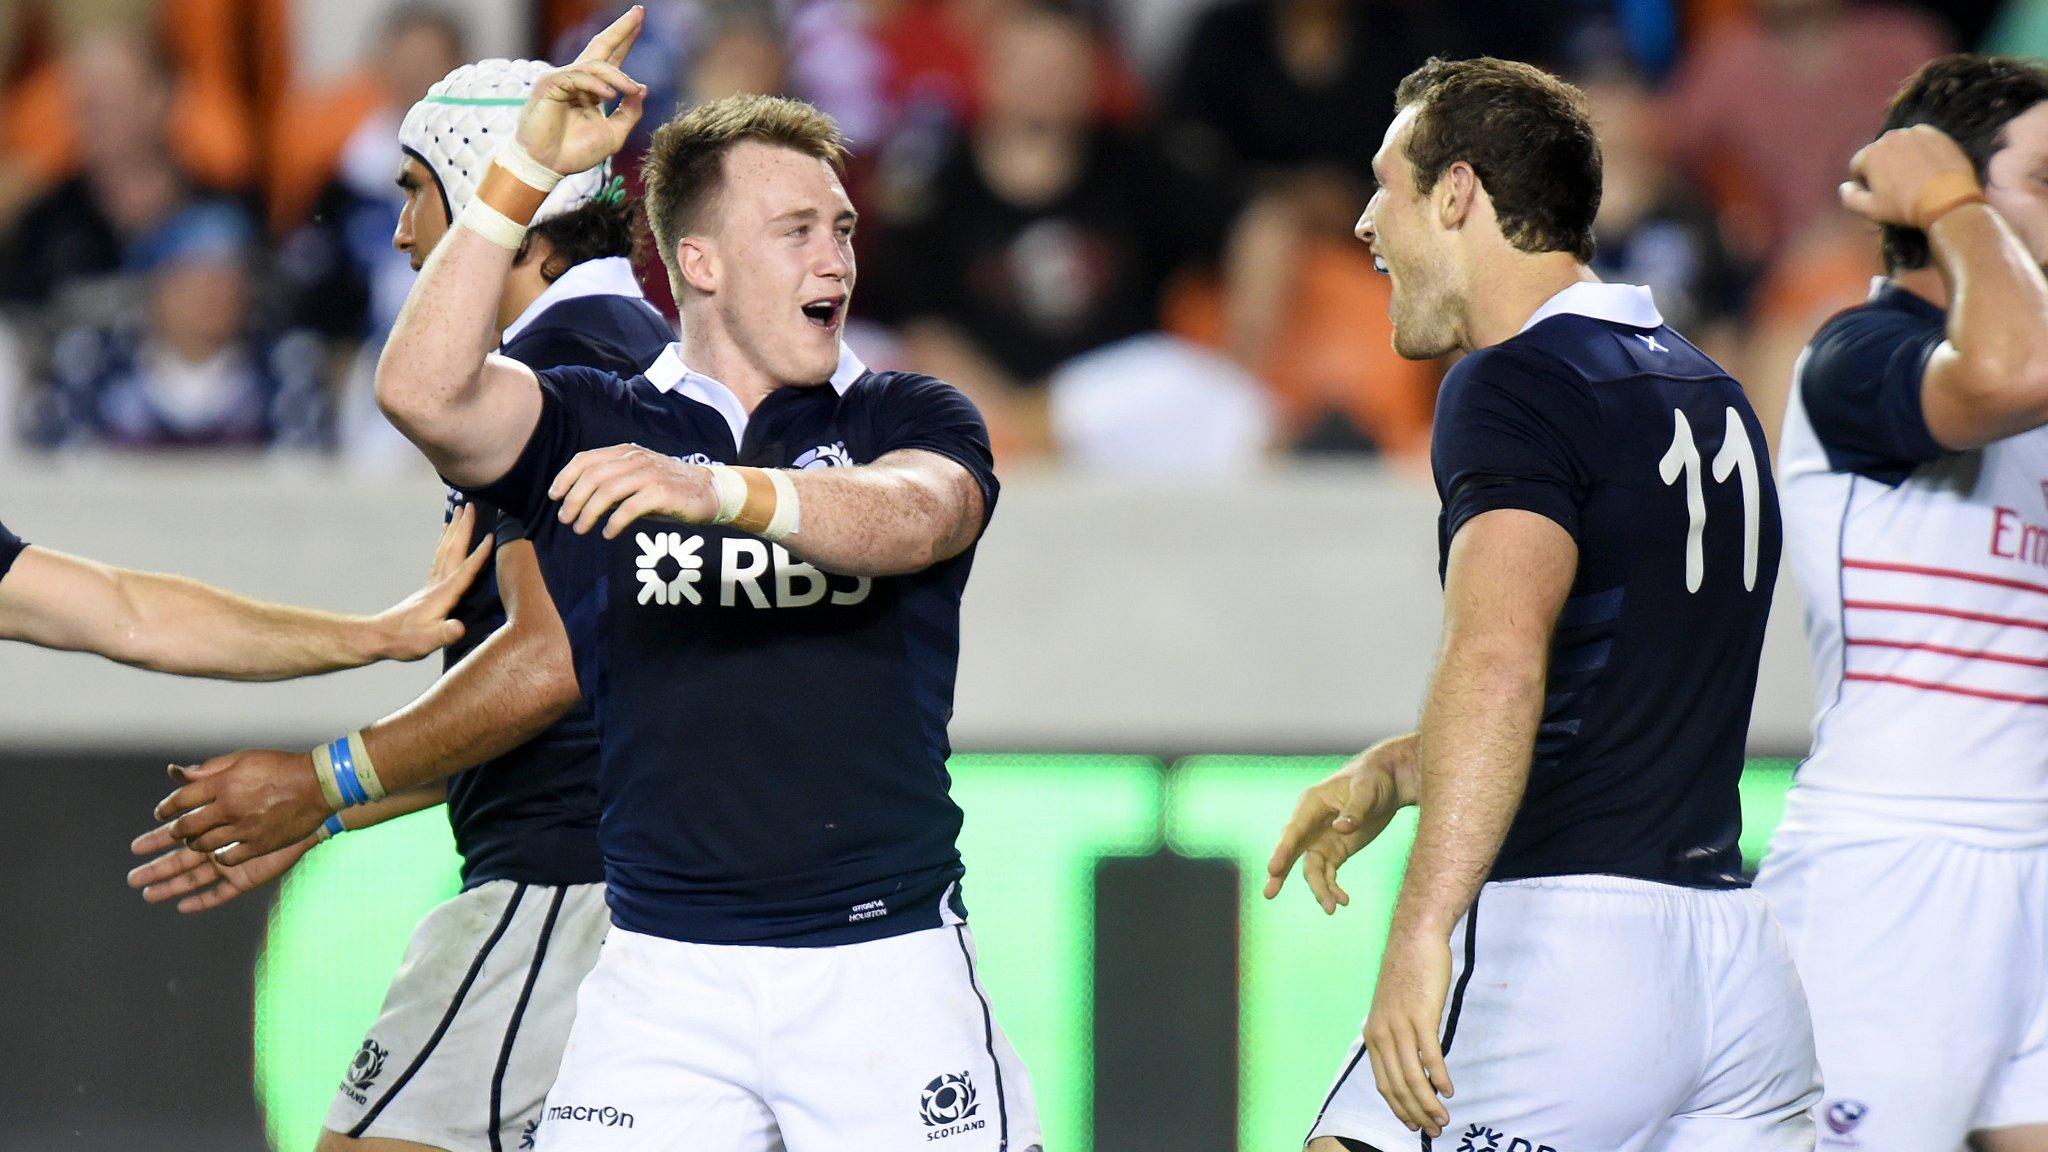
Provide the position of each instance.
(1925, 578)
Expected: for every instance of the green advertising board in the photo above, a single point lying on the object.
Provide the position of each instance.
(1037, 827)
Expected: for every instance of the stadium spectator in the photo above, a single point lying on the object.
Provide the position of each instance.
(1652, 230)
(1289, 86)
(1768, 111)
(938, 55)
(216, 52)
(129, 181)
(198, 371)
(340, 131)
(1039, 236)
(1286, 101)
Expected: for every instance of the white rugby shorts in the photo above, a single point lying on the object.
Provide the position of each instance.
(1606, 1014)
(1926, 964)
(474, 1024)
(883, 1046)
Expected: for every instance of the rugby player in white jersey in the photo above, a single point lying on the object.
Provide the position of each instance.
(1575, 962)
(1911, 869)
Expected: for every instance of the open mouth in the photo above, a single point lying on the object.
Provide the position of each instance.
(825, 313)
(1379, 264)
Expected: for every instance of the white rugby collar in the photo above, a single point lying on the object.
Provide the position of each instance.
(605, 276)
(668, 373)
(1629, 304)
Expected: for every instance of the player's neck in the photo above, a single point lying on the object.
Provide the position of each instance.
(523, 285)
(707, 353)
(1925, 283)
(1514, 288)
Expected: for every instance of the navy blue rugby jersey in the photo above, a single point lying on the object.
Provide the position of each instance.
(1861, 385)
(774, 736)
(10, 549)
(1599, 417)
(530, 816)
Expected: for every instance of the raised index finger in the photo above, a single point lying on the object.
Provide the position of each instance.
(615, 41)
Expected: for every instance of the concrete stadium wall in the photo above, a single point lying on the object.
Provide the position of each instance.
(1297, 611)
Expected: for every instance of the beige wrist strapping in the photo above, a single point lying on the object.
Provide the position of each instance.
(762, 501)
(346, 775)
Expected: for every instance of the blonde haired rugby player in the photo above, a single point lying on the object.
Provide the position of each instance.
(759, 548)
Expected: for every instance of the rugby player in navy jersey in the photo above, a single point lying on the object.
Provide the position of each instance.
(1575, 962)
(474, 1024)
(758, 549)
(172, 624)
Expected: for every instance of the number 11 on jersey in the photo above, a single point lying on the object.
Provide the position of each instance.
(1737, 456)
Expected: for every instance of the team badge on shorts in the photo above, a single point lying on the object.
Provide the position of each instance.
(948, 1106)
(364, 1070)
(1842, 1117)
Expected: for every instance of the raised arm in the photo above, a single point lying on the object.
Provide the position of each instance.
(1508, 575)
(172, 624)
(471, 412)
(513, 687)
(1989, 379)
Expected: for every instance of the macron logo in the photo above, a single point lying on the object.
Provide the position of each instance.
(1650, 341)
(659, 546)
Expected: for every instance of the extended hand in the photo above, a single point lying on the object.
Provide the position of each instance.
(195, 879)
(1893, 171)
(564, 124)
(1401, 1030)
(419, 625)
(245, 804)
(1333, 820)
(638, 482)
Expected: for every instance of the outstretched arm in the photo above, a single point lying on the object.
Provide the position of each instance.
(172, 624)
(471, 412)
(510, 689)
(199, 883)
(1508, 575)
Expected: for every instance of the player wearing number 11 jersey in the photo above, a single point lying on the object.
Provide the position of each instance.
(1575, 961)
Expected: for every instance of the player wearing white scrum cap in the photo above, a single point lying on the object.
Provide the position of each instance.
(474, 1024)
(466, 117)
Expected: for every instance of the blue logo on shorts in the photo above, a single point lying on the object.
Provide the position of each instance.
(1844, 1115)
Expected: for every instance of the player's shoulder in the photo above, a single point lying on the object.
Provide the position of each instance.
(1854, 345)
(1522, 371)
(905, 394)
(617, 333)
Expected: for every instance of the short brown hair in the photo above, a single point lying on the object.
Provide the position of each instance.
(1525, 133)
(1971, 98)
(685, 164)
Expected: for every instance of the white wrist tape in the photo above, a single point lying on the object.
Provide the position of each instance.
(762, 501)
(530, 172)
(732, 492)
(346, 776)
(788, 518)
(492, 225)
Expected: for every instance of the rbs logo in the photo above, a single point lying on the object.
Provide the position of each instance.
(671, 569)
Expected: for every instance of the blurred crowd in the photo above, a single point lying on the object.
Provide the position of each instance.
(1123, 226)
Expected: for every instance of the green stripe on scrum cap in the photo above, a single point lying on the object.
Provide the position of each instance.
(479, 101)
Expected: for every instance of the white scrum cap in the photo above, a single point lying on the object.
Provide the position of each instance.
(470, 114)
